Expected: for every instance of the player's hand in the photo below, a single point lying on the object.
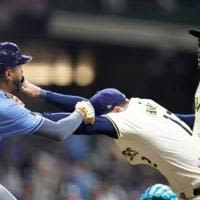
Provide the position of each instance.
(30, 89)
(159, 192)
(87, 111)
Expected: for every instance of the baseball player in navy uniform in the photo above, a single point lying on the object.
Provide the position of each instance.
(15, 119)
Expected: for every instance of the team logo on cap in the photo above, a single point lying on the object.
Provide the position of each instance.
(109, 107)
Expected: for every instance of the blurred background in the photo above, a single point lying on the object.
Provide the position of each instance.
(141, 47)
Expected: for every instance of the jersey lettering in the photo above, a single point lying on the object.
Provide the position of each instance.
(130, 153)
(151, 109)
(149, 162)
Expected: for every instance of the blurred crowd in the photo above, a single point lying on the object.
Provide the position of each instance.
(38, 6)
(81, 168)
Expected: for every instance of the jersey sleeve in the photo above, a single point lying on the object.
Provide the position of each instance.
(101, 126)
(17, 120)
(187, 118)
(55, 116)
(65, 102)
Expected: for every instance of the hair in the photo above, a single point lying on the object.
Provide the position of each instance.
(124, 103)
(2, 72)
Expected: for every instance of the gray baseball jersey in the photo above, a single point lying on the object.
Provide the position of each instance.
(150, 134)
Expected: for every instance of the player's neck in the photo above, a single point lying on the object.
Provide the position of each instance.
(4, 86)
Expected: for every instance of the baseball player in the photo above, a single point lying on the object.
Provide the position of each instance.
(196, 129)
(147, 133)
(159, 189)
(15, 119)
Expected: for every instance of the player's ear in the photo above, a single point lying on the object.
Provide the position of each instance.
(117, 109)
(8, 74)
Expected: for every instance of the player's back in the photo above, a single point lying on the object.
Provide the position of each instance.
(149, 134)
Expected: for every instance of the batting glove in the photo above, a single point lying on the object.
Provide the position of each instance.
(159, 192)
(87, 111)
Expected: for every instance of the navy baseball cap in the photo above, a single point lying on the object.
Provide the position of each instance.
(195, 32)
(10, 56)
(105, 100)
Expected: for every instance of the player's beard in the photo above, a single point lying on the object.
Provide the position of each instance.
(17, 83)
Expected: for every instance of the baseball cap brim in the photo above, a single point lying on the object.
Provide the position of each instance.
(24, 59)
(195, 32)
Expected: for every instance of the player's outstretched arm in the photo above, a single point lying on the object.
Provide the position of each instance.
(101, 125)
(65, 102)
(159, 192)
(17, 120)
(63, 128)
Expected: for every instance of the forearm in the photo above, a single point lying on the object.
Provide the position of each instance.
(55, 116)
(101, 126)
(61, 129)
(64, 102)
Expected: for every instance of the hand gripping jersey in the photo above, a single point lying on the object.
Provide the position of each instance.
(149, 134)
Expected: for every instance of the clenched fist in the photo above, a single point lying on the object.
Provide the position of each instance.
(30, 89)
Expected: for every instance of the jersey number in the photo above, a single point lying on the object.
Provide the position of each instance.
(131, 154)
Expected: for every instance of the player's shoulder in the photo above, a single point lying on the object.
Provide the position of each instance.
(2, 95)
(4, 101)
(7, 104)
(141, 101)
